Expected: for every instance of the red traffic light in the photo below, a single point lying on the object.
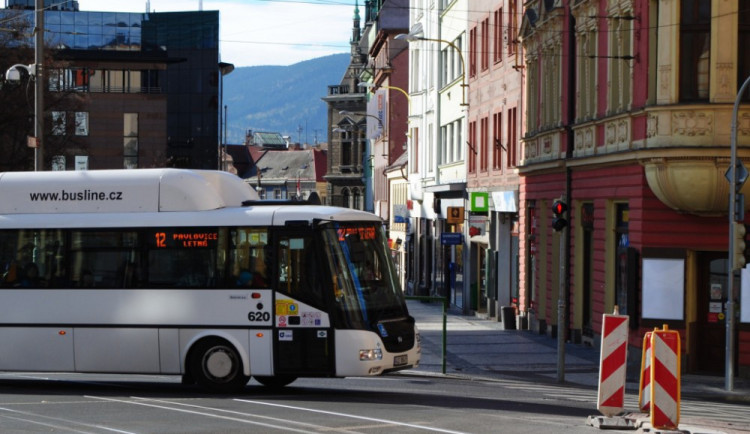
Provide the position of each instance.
(559, 207)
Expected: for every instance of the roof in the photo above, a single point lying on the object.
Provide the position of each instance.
(280, 166)
(274, 140)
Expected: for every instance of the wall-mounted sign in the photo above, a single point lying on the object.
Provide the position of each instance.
(455, 215)
(479, 201)
(451, 238)
(477, 225)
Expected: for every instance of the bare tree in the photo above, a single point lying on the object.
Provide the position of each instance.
(17, 109)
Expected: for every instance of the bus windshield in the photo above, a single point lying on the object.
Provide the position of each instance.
(365, 284)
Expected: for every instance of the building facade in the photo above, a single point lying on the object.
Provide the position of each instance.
(149, 83)
(495, 79)
(629, 106)
(347, 145)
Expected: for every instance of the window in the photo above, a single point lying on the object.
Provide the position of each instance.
(620, 62)
(485, 53)
(498, 36)
(497, 145)
(415, 150)
(297, 269)
(105, 259)
(512, 29)
(473, 52)
(33, 258)
(483, 145)
(247, 258)
(472, 145)
(82, 123)
(130, 140)
(356, 199)
(587, 77)
(512, 144)
(58, 123)
(695, 49)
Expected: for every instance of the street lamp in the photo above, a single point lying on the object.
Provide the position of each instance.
(415, 35)
(35, 72)
(349, 113)
(14, 75)
(224, 69)
(371, 86)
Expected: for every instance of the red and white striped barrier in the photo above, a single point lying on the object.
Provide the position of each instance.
(614, 351)
(644, 391)
(665, 379)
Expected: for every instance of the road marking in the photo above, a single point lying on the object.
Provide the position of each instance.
(58, 419)
(352, 416)
(292, 422)
(143, 402)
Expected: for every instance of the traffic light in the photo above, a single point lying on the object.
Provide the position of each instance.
(738, 254)
(558, 210)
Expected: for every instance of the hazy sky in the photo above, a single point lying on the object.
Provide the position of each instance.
(263, 32)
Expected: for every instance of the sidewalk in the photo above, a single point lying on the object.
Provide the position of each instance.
(481, 349)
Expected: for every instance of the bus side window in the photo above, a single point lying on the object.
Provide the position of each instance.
(33, 258)
(248, 256)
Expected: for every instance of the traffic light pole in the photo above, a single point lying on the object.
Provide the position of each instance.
(734, 215)
(561, 311)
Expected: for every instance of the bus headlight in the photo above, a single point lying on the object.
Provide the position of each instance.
(372, 354)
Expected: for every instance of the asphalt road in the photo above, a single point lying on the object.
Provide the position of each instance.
(151, 404)
(76, 403)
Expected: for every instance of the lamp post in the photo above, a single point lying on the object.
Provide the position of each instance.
(35, 71)
(414, 35)
(224, 69)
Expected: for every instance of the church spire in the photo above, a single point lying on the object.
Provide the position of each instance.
(356, 32)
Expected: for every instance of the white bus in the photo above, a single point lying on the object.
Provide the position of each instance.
(168, 271)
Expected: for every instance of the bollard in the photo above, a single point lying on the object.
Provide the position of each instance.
(665, 379)
(611, 398)
(644, 391)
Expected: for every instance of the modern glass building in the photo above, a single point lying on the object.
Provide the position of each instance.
(152, 82)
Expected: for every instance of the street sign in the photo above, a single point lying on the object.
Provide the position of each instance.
(740, 174)
(451, 238)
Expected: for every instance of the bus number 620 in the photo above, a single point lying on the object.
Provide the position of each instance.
(259, 316)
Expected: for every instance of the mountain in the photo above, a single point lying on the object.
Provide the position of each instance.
(283, 99)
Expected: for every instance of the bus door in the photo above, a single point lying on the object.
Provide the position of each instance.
(303, 336)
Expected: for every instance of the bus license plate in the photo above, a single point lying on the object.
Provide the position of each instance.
(400, 360)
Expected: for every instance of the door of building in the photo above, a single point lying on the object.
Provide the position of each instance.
(708, 333)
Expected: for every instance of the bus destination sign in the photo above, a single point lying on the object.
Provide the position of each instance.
(185, 238)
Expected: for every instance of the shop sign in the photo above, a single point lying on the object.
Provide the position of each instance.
(455, 215)
(477, 225)
(479, 201)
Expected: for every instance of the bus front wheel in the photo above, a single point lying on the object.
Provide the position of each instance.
(217, 367)
(275, 381)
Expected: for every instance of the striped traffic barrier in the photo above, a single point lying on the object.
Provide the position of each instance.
(644, 391)
(614, 351)
(665, 379)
